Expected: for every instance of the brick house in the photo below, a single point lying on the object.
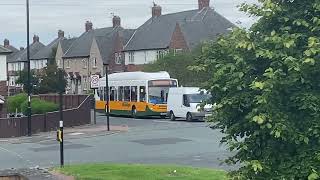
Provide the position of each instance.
(87, 54)
(182, 31)
(18, 62)
(41, 58)
(4, 52)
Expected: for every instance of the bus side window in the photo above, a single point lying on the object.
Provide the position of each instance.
(101, 93)
(134, 94)
(142, 93)
(127, 93)
(113, 94)
(120, 92)
(104, 93)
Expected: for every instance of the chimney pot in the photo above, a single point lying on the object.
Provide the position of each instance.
(203, 4)
(60, 34)
(35, 38)
(116, 20)
(89, 26)
(6, 43)
(156, 10)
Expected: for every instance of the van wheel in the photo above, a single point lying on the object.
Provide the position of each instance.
(134, 112)
(172, 116)
(189, 117)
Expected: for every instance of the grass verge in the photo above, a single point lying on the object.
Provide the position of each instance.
(140, 172)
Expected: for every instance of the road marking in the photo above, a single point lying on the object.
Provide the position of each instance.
(169, 122)
(17, 155)
(75, 134)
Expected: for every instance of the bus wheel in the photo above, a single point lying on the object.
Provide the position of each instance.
(189, 117)
(134, 112)
(163, 116)
(172, 116)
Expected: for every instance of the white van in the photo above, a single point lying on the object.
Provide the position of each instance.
(184, 102)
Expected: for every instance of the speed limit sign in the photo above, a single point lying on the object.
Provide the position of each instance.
(95, 81)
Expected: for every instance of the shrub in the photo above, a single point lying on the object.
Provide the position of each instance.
(14, 102)
(39, 106)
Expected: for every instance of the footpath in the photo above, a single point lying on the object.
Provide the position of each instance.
(37, 173)
(78, 132)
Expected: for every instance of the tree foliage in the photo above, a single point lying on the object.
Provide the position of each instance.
(177, 66)
(267, 88)
(51, 79)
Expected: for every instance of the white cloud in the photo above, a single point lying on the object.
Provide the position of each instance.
(46, 17)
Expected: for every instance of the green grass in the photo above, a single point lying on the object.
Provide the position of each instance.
(140, 172)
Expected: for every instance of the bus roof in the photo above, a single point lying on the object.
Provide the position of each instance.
(137, 76)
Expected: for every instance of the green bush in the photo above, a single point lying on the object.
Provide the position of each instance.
(39, 106)
(14, 102)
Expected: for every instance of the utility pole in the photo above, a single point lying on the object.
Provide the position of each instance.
(107, 97)
(29, 73)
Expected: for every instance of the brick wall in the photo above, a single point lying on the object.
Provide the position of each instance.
(3, 88)
(133, 68)
(178, 40)
(117, 48)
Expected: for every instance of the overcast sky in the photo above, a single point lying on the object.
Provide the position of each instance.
(47, 17)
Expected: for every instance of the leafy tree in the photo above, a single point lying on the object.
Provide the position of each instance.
(177, 66)
(52, 80)
(34, 80)
(267, 88)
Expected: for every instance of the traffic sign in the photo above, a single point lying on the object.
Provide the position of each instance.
(95, 81)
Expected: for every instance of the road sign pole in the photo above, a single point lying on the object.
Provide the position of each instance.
(61, 145)
(107, 99)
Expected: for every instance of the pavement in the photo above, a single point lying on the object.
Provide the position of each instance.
(147, 141)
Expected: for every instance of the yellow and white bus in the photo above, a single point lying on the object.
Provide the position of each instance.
(137, 94)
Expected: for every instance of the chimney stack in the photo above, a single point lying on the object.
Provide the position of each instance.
(156, 10)
(35, 38)
(21, 48)
(89, 26)
(6, 43)
(203, 4)
(60, 34)
(116, 20)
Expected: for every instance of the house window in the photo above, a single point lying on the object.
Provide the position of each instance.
(118, 59)
(131, 57)
(68, 63)
(85, 63)
(177, 51)
(94, 62)
(160, 54)
(85, 81)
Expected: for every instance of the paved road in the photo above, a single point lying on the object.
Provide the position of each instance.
(154, 141)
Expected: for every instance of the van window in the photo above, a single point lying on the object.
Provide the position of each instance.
(197, 98)
(185, 101)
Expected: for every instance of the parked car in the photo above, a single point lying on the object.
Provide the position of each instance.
(185, 102)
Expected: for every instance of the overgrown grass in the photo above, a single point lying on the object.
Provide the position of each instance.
(140, 172)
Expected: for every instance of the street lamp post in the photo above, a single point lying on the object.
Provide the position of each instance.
(29, 73)
(107, 97)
